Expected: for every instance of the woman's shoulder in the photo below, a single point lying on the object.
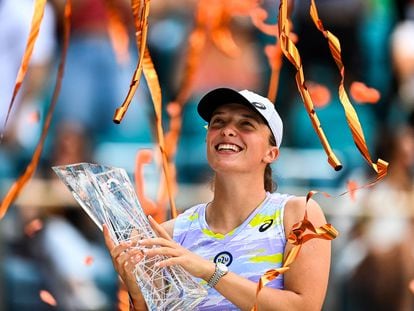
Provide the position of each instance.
(279, 198)
(295, 209)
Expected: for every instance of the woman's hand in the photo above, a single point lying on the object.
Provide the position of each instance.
(125, 258)
(177, 255)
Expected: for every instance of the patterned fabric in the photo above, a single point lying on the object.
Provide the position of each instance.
(249, 250)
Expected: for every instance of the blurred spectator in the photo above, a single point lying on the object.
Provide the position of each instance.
(69, 246)
(402, 48)
(94, 83)
(377, 262)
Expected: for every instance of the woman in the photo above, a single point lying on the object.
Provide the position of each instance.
(232, 240)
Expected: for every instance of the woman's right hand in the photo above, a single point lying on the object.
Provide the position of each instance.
(124, 258)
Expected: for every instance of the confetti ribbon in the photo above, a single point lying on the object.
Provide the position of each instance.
(196, 43)
(273, 52)
(141, 26)
(146, 66)
(48, 298)
(149, 206)
(31, 168)
(212, 21)
(37, 18)
(351, 116)
(361, 93)
(118, 32)
(292, 54)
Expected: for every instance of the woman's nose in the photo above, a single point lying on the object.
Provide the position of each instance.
(228, 130)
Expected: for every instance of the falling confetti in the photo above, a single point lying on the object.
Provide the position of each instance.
(39, 9)
(47, 297)
(88, 261)
(351, 116)
(364, 94)
(352, 187)
(33, 227)
(18, 185)
(319, 93)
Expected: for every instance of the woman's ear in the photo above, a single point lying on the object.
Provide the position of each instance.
(271, 155)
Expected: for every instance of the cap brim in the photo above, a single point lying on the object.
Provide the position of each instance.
(217, 97)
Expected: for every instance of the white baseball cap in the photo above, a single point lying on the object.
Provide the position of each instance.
(217, 97)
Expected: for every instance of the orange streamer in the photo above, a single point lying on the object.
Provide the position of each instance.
(146, 66)
(351, 116)
(352, 186)
(39, 9)
(273, 52)
(258, 16)
(157, 211)
(31, 168)
(155, 90)
(274, 56)
(118, 33)
(141, 26)
(292, 54)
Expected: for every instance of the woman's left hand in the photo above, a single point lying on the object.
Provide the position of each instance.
(177, 255)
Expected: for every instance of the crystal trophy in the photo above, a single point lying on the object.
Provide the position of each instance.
(108, 197)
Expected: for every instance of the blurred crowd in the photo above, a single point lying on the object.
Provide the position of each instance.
(373, 258)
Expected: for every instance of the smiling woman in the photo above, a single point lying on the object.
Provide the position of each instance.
(230, 242)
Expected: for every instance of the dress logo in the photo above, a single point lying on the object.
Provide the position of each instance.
(224, 257)
(266, 225)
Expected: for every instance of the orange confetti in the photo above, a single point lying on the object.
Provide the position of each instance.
(39, 9)
(351, 116)
(47, 298)
(352, 187)
(145, 65)
(320, 94)
(33, 227)
(258, 16)
(157, 211)
(18, 185)
(364, 94)
(411, 286)
(292, 54)
(273, 52)
(33, 117)
(88, 261)
(118, 33)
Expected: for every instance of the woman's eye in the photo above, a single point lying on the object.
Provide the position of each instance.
(247, 124)
(216, 121)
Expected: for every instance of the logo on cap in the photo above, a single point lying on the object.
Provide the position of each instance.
(259, 105)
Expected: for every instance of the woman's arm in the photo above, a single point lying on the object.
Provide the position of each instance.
(125, 257)
(305, 281)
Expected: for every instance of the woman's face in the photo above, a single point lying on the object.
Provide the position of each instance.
(238, 140)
